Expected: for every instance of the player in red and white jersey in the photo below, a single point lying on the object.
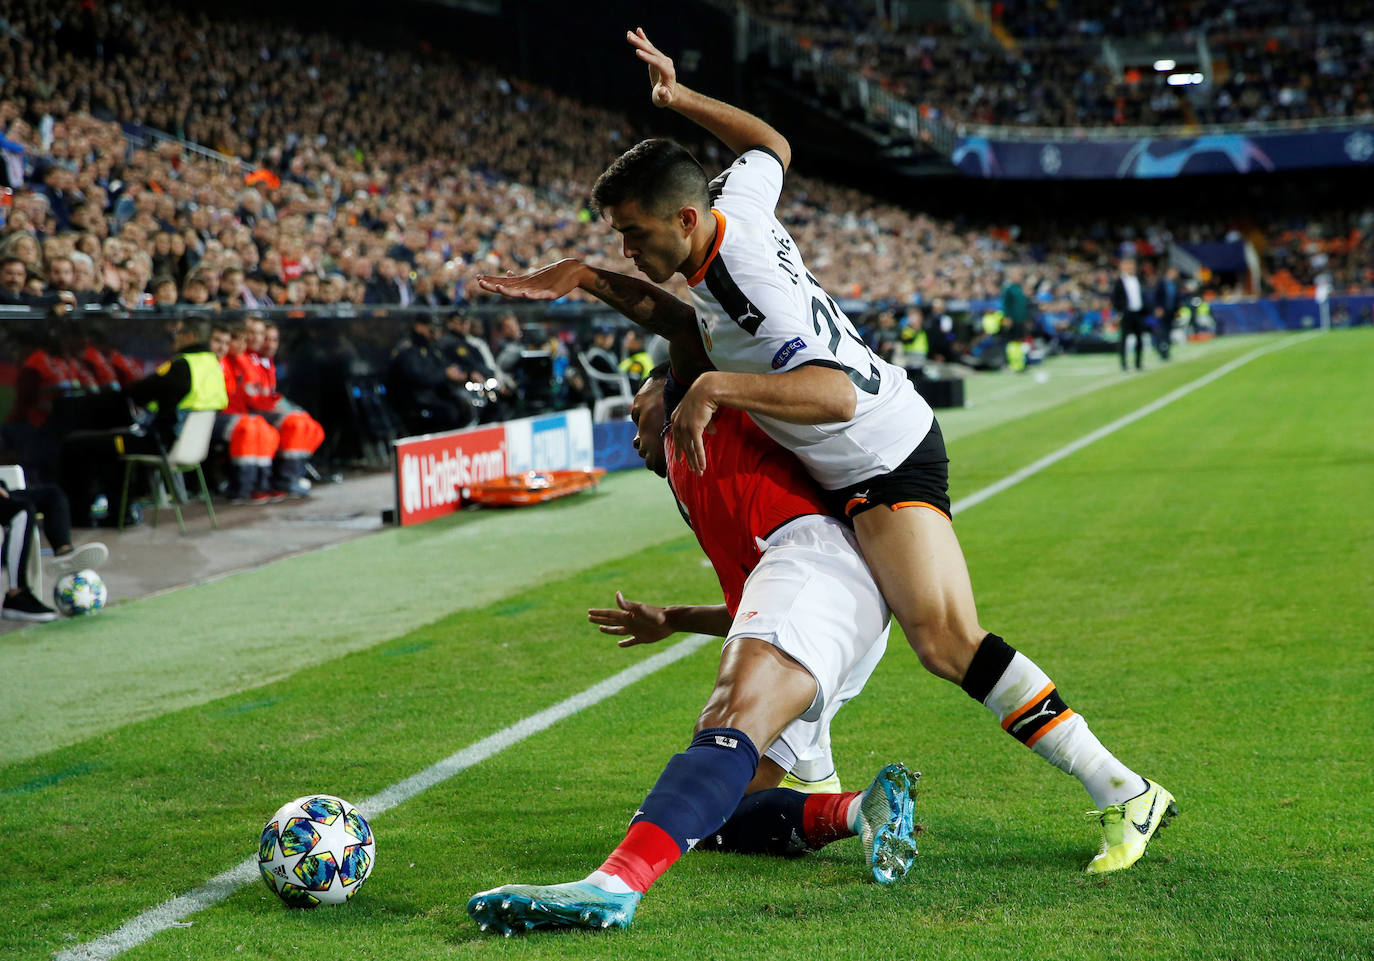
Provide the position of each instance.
(749, 491)
(783, 352)
(804, 625)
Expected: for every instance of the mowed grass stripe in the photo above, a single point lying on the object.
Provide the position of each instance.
(71, 679)
(521, 815)
(171, 913)
(1260, 865)
(167, 798)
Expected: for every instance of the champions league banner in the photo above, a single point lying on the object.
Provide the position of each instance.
(1163, 156)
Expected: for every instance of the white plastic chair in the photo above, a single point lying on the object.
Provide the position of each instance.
(612, 390)
(13, 476)
(191, 447)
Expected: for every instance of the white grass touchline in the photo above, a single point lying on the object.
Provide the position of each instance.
(169, 914)
(1030, 470)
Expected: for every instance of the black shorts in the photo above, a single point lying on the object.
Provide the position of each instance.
(922, 480)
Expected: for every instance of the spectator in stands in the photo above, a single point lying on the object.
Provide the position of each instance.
(231, 292)
(14, 275)
(61, 274)
(165, 292)
(1128, 302)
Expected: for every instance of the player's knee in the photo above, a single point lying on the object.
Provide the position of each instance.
(944, 645)
(726, 708)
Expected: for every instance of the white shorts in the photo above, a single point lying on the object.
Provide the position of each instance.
(813, 597)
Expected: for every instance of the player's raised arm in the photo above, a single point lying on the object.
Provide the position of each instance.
(737, 129)
(649, 306)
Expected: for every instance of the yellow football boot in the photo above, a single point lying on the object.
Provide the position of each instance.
(1128, 827)
(829, 785)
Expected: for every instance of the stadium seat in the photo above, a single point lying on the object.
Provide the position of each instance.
(613, 394)
(191, 447)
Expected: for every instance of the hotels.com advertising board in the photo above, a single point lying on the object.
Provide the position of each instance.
(432, 469)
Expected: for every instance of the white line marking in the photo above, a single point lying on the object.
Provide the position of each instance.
(1030, 470)
(170, 913)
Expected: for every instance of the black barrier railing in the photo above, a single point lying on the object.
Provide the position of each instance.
(338, 362)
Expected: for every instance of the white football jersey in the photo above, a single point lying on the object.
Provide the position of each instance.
(759, 310)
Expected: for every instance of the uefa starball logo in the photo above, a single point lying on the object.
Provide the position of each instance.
(1359, 146)
(1051, 160)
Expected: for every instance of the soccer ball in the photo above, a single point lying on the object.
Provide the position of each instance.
(317, 849)
(80, 593)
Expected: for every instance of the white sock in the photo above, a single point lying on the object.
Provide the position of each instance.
(608, 882)
(851, 814)
(1027, 703)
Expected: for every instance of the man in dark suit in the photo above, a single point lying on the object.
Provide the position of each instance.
(1168, 297)
(1128, 301)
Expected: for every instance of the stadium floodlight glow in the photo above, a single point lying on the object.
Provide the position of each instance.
(1163, 66)
(1184, 79)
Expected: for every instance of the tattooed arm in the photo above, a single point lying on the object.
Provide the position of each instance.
(648, 305)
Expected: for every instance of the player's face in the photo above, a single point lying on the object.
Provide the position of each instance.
(656, 245)
(646, 410)
(219, 343)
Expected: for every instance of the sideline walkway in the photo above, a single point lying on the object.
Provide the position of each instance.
(146, 561)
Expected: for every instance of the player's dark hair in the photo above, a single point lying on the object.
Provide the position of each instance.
(660, 372)
(197, 327)
(659, 174)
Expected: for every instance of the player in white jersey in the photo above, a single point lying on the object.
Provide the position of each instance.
(784, 352)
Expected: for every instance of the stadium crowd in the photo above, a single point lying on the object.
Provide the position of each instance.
(399, 199)
(1042, 64)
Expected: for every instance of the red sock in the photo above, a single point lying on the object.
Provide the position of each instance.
(823, 818)
(643, 856)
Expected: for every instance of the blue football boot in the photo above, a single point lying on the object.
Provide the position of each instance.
(887, 823)
(517, 908)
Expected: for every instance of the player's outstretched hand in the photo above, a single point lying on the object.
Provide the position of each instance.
(692, 420)
(662, 74)
(636, 622)
(546, 283)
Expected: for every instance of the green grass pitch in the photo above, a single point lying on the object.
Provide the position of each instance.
(1200, 584)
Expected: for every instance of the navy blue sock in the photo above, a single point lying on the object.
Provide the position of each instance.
(700, 787)
(766, 822)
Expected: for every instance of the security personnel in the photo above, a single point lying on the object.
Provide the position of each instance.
(915, 343)
(424, 387)
(191, 380)
(636, 362)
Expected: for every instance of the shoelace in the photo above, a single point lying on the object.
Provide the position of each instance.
(1116, 811)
